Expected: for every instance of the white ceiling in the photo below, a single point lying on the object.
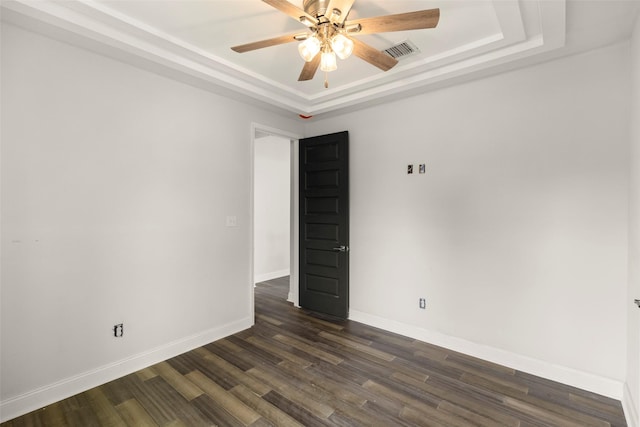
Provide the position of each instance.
(190, 40)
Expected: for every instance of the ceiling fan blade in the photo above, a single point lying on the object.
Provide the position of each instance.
(266, 43)
(344, 6)
(400, 22)
(293, 11)
(309, 69)
(373, 56)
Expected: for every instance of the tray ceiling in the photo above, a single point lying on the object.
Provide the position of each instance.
(191, 40)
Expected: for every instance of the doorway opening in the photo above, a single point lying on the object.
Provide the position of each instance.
(274, 200)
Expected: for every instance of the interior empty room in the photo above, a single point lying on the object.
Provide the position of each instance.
(155, 227)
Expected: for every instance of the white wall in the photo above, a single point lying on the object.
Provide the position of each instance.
(272, 202)
(632, 392)
(517, 233)
(116, 184)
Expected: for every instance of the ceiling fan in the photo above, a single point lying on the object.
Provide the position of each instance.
(330, 33)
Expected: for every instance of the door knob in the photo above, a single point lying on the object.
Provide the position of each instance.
(341, 249)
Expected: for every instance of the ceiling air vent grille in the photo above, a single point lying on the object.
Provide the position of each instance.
(402, 50)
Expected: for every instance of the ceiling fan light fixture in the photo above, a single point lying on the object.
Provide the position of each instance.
(342, 46)
(309, 48)
(328, 61)
(329, 34)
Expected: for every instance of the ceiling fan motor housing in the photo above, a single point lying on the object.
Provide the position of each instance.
(315, 8)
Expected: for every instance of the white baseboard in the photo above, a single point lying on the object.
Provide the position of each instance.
(583, 380)
(630, 408)
(270, 276)
(30, 401)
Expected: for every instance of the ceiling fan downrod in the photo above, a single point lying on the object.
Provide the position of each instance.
(316, 8)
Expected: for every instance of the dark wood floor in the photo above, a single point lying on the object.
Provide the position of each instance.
(295, 368)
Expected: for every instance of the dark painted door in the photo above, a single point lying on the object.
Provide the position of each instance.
(324, 224)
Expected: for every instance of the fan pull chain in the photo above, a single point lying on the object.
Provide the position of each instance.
(326, 80)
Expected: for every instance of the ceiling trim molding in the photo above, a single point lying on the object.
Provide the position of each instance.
(523, 32)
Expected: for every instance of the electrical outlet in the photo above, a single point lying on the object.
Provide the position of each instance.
(409, 169)
(423, 303)
(118, 330)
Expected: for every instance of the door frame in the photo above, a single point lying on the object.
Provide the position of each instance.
(294, 204)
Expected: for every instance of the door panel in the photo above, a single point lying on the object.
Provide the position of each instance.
(324, 224)
(322, 205)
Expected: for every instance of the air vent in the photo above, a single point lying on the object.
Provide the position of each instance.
(402, 50)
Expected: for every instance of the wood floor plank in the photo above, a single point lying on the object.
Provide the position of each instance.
(434, 415)
(300, 413)
(146, 374)
(276, 350)
(556, 408)
(264, 408)
(308, 348)
(341, 372)
(376, 335)
(540, 414)
(478, 364)
(498, 385)
(103, 408)
(471, 417)
(389, 417)
(296, 368)
(257, 353)
(398, 396)
(429, 351)
(84, 416)
(595, 402)
(186, 388)
(228, 345)
(135, 415)
(240, 376)
(324, 324)
(293, 393)
(464, 400)
(214, 413)
(165, 404)
(117, 391)
(331, 392)
(232, 404)
(230, 357)
(198, 362)
(268, 319)
(179, 423)
(357, 346)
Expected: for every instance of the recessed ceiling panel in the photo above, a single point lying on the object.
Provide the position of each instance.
(214, 26)
(194, 39)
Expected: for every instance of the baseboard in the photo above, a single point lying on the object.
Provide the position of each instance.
(630, 408)
(583, 380)
(270, 276)
(68, 387)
